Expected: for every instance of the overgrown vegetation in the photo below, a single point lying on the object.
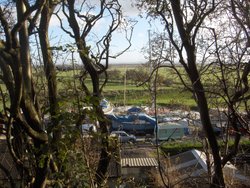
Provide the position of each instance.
(199, 61)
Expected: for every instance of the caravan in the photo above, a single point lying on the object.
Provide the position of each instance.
(171, 129)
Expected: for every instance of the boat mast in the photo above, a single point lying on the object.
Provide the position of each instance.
(125, 86)
(151, 81)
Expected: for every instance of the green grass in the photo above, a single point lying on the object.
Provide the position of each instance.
(179, 146)
(114, 91)
(166, 96)
(175, 147)
(172, 96)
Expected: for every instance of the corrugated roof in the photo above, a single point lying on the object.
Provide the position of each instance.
(138, 162)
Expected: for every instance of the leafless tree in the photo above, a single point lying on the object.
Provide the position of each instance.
(23, 117)
(183, 20)
(82, 19)
(232, 60)
(215, 60)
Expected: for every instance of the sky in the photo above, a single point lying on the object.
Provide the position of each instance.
(140, 36)
(139, 40)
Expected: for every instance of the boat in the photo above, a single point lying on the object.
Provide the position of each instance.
(106, 106)
(137, 124)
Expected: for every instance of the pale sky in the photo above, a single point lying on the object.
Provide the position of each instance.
(139, 38)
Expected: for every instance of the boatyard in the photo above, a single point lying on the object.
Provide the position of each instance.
(124, 94)
(141, 158)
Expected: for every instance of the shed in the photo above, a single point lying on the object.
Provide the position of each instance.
(136, 167)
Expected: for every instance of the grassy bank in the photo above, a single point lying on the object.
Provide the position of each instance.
(175, 147)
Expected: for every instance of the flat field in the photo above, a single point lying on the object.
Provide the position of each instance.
(127, 93)
(119, 91)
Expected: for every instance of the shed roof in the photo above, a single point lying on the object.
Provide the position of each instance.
(139, 162)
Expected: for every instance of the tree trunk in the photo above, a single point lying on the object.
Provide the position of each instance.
(49, 69)
(42, 164)
(105, 155)
(187, 38)
(31, 115)
(217, 179)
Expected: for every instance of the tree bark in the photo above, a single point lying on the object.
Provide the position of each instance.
(42, 164)
(50, 70)
(188, 42)
(31, 118)
(105, 155)
(91, 68)
(217, 179)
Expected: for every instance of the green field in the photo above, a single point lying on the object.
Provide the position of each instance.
(166, 96)
(119, 92)
(130, 94)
